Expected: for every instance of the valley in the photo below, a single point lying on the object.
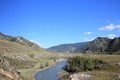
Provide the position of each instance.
(21, 59)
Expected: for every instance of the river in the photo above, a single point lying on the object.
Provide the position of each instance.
(51, 73)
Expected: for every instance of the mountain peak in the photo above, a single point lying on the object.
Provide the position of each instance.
(103, 38)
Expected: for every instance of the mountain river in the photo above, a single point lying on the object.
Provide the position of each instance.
(51, 73)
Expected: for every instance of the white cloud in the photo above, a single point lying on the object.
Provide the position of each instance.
(111, 36)
(35, 42)
(110, 27)
(87, 33)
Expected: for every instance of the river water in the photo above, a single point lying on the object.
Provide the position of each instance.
(51, 73)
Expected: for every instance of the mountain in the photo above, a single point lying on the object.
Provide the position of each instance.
(77, 47)
(100, 44)
(114, 45)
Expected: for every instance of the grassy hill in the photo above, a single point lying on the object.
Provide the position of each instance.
(11, 47)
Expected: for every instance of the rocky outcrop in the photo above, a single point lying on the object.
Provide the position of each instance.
(8, 70)
(117, 76)
(80, 76)
(11, 74)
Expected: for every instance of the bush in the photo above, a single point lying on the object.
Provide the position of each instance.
(77, 64)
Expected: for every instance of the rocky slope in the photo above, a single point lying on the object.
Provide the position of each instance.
(100, 44)
(8, 70)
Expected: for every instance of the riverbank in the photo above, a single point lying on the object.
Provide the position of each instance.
(28, 74)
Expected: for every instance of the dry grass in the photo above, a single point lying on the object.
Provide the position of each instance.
(11, 48)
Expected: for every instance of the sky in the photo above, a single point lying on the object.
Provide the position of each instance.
(54, 22)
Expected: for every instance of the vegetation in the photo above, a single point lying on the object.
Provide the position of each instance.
(77, 64)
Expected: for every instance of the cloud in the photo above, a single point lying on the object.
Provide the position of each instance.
(111, 36)
(110, 27)
(35, 42)
(87, 33)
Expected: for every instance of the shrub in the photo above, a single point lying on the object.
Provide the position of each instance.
(77, 64)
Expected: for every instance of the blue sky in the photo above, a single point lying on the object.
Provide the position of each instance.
(53, 22)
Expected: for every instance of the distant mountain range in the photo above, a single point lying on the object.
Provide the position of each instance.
(98, 45)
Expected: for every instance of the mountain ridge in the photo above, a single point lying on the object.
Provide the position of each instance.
(73, 47)
(99, 45)
(20, 40)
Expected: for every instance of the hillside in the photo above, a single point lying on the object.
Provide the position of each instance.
(19, 40)
(11, 47)
(100, 44)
